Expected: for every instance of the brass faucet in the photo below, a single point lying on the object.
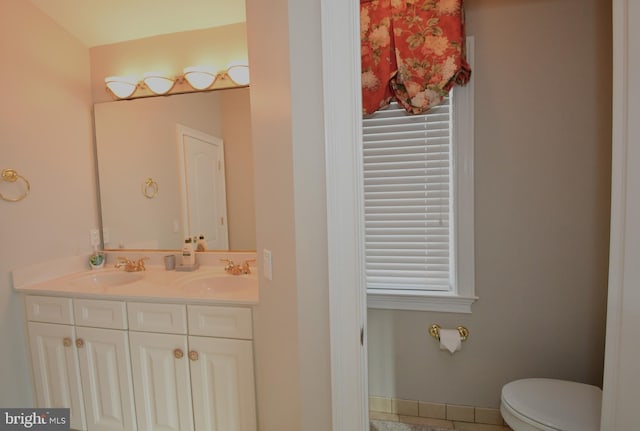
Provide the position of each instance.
(131, 265)
(237, 269)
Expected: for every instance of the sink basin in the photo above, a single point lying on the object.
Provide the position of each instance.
(220, 284)
(106, 279)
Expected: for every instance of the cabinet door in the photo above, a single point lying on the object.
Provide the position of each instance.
(161, 381)
(106, 379)
(55, 369)
(222, 384)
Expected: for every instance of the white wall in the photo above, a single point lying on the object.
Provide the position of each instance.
(542, 174)
(46, 135)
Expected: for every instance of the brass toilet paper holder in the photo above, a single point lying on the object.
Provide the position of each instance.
(434, 331)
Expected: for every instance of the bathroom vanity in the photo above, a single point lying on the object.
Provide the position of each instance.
(157, 350)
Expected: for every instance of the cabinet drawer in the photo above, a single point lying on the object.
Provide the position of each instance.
(227, 322)
(49, 309)
(167, 318)
(98, 313)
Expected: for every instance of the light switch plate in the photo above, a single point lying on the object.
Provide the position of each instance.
(267, 264)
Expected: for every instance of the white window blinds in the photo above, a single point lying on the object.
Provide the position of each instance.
(407, 185)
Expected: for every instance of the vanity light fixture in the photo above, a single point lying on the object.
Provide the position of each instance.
(158, 83)
(200, 77)
(121, 86)
(239, 74)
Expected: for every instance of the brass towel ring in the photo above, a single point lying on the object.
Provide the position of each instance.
(11, 176)
(150, 188)
(434, 331)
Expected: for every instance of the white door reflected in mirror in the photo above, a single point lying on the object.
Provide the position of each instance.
(202, 186)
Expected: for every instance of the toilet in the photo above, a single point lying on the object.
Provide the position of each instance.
(551, 405)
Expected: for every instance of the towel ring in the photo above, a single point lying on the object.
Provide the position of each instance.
(150, 188)
(434, 331)
(11, 176)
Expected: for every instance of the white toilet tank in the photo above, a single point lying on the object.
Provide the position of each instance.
(551, 405)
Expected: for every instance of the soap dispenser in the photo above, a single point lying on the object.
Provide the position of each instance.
(188, 254)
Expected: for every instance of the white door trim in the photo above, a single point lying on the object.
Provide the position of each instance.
(621, 379)
(345, 209)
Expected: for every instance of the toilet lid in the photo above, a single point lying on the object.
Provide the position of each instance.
(557, 404)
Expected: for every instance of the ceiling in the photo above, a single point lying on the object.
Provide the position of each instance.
(102, 22)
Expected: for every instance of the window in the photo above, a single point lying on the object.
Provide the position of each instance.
(418, 187)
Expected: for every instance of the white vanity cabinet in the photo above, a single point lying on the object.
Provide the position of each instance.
(102, 342)
(105, 372)
(85, 368)
(185, 382)
(56, 371)
(127, 366)
(222, 384)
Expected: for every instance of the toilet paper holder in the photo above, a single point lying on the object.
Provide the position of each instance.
(434, 331)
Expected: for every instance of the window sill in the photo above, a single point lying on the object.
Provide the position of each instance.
(420, 301)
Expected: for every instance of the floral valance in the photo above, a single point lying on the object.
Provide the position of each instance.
(412, 50)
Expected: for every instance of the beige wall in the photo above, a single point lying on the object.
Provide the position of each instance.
(46, 135)
(542, 157)
(238, 156)
(291, 322)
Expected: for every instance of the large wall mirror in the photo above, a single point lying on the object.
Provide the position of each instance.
(176, 166)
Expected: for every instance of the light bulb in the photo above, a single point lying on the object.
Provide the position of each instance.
(121, 86)
(158, 83)
(200, 77)
(239, 74)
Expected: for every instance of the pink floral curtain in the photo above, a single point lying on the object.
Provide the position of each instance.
(412, 50)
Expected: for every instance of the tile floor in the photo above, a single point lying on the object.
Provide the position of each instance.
(437, 423)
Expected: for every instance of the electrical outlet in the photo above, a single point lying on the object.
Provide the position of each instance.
(95, 237)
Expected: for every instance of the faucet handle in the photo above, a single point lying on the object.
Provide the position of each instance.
(122, 261)
(140, 264)
(229, 264)
(246, 269)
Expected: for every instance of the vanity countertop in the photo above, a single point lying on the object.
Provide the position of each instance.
(208, 285)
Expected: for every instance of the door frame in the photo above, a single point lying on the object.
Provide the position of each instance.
(340, 24)
(621, 379)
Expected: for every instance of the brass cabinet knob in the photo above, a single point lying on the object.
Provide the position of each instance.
(66, 342)
(193, 355)
(79, 342)
(178, 353)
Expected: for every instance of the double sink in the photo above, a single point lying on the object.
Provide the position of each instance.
(206, 281)
(209, 284)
